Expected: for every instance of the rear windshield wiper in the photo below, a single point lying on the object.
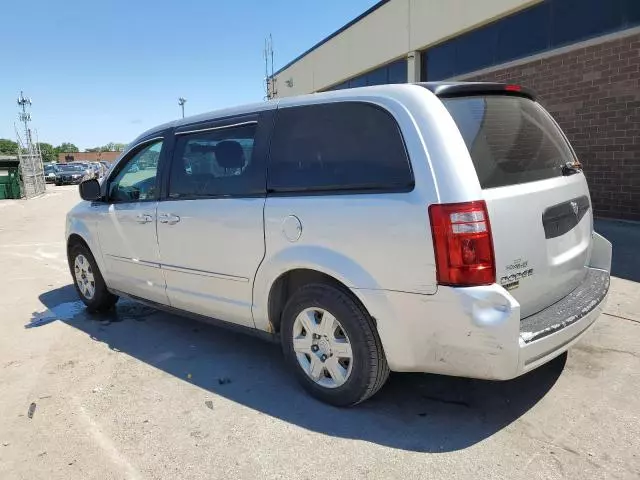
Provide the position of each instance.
(570, 168)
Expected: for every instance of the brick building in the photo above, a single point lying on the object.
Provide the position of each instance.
(88, 156)
(581, 56)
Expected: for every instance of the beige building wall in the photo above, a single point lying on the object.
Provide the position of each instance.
(388, 33)
(88, 156)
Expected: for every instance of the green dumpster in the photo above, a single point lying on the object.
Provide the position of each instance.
(9, 178)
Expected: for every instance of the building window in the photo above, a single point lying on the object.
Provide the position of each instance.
(394, 72)
(477, 49)
(397, 71)
(575, 20)
(550, 24)
(524, 33)
(632, 12)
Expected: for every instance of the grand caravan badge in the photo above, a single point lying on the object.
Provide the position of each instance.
(517, 270)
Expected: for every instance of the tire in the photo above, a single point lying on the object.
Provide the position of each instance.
(98, 298)
(366, 370)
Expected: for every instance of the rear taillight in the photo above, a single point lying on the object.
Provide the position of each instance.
(463, 244)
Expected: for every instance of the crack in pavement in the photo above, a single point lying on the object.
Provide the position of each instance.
(621, 318)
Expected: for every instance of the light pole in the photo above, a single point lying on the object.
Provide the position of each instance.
(181, 102)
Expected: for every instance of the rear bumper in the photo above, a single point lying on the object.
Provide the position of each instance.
(553, 330)
(478, 332)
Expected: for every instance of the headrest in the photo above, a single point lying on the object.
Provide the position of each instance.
(229, 154)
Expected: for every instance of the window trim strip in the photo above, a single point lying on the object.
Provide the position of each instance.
(241, 124)
(139, 144)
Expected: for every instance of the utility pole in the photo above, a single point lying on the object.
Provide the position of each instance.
(181, 102)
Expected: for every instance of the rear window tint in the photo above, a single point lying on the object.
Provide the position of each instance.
(338, 146)
(511, 140)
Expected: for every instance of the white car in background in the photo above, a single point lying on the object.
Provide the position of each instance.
(49, 173)
(436, 227)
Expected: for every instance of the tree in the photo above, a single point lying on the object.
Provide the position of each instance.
(49, 153)
(8, 147)
(66, 147)
(109, 147)
(113, 147)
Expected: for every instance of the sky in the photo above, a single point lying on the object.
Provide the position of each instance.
(104, 71)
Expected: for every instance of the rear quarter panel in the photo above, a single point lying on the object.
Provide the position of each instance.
(378, 241)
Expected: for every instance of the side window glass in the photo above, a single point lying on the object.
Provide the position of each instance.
(338, 146)
(137, 179)
(216, 163)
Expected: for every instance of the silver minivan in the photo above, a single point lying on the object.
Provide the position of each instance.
(435, 227)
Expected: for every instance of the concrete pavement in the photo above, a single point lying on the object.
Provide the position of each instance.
(145, 395)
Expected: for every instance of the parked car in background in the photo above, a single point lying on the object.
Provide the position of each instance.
(435, 227)
(96, 169)
(70, 173)
(88, 169)
(106, 165)
(50, 173)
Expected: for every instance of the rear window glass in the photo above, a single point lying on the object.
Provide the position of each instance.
(511, 140)
(345, 146)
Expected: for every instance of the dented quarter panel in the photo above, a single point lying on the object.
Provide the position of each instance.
(465, 332)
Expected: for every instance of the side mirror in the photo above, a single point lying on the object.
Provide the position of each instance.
(90, 190)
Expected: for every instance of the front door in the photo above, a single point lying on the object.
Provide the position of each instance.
(210, 226)
(127, 225)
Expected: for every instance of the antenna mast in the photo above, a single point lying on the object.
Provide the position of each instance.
(31, 168)
(270, 81)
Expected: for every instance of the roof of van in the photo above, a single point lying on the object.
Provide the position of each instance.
(441, 89)
(203, 117)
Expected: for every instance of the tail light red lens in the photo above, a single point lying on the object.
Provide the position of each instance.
(463, 244)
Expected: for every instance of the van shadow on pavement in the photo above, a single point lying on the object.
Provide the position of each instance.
(415, 412)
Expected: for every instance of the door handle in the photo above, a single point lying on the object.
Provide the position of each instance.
(168, 218)
(144, 218)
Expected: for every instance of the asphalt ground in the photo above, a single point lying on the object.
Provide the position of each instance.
(140, 394)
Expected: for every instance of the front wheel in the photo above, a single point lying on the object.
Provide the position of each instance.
(88, 280)
(332, 344)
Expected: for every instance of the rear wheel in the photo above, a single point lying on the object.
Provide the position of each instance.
(88, 280)
(332, 345)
